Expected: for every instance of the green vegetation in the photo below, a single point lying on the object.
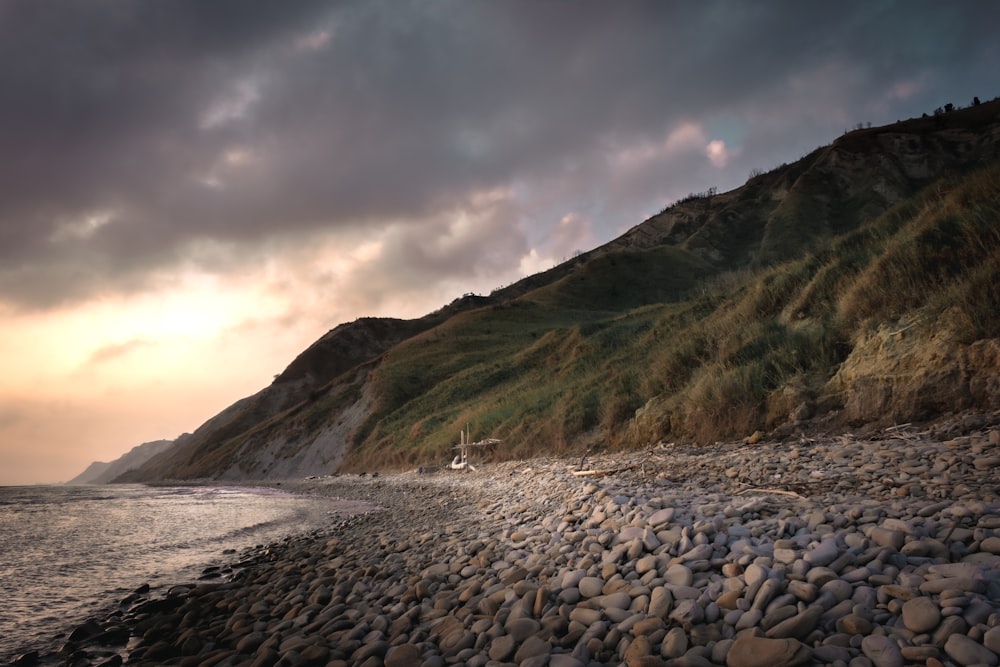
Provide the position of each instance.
(857, 285)
(570, 364)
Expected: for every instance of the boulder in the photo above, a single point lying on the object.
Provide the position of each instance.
(766, 652)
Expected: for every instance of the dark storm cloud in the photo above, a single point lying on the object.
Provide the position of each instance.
(130, 129)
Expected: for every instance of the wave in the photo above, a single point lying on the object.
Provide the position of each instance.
(64, 548)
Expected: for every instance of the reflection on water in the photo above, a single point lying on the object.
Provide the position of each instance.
(64, 551)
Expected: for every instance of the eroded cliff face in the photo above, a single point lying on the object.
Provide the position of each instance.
(781, 213)
(279, 432)
(309, 443)
(102, 473)
(328, 400)
(898, 374)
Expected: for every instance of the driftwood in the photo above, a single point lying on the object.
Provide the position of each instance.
(908, 326)
(779, 492)
(604, 471)
(898, 427)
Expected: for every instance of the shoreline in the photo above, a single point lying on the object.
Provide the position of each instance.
(864, 551)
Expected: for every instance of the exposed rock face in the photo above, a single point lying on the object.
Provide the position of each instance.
(236, 443)
(284, 453)
(898, 376)
(102, 473)
(331, 400)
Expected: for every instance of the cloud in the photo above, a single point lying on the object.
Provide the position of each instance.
(314, 41)
(116, 351)
(10, 416)
(572, 235)
(186, 184)
(717, 153)
(191, 121)
(463, 249)
(232, 105)
(907, 88)
(684, 138)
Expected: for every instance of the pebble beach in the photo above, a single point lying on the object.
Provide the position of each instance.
(882, 550)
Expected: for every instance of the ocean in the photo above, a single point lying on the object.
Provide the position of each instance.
(69, 552)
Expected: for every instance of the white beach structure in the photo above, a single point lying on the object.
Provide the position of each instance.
(461, 460)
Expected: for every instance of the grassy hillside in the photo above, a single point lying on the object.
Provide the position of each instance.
(746, 350)
(854, 286)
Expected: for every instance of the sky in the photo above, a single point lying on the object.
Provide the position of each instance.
(193, 192)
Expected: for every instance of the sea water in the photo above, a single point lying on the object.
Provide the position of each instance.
(67, 552)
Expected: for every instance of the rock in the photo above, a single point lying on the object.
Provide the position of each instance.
(698, 552)
(502, 648)
(675, 644)
(249, 643)
(532, 647)
(403, 655)
(785, 555)
(950, 625)
(564, 660)
(679, 575)
(820, 576)
(798, 626)
(721, 650)
(457, 640)
(768, 590)
(828, 654)
(661, 517)
(886, 537)
(646, 564)
(317, 654)
(572, 579)
(638, 651)
(853, 624)
(647, 626)
(823, 554)
(585, 616)
(687, 613)
(970, 584)
(920, 615)
(765, 652)
(990, 545)
(882, 651)
(991, 639)
(926, 547)
(89, 628)
(619, 600)
(26, 659)
(920, 654)
(660, 602)
(986, 462)
(729, 599)
(966, 651)
(749, 619)
(591, 587)
(755, 575)
(570, 573)
(522, 628)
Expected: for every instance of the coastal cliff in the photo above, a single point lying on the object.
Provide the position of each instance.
(851, 288)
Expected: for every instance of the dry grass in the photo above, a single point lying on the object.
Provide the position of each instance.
(710, 360)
